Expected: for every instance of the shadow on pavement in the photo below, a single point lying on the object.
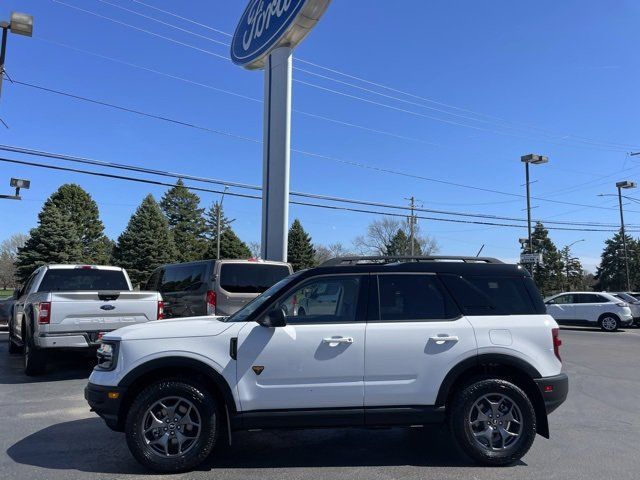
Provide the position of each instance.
(102, 451)
(61, 365)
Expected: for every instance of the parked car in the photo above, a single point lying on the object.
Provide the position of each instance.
(591, 309)
(6, 305)
(634, 304)
(71, 306)
(466, 340)
(211, 287)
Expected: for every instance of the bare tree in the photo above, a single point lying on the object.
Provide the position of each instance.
(8, 255)
(381, 232)
(255, 248)
(324, 253)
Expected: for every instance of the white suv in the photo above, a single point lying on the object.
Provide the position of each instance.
(591, 309)
(407, 341)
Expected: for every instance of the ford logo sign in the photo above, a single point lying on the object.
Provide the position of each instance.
(268, 24)
(107, 307)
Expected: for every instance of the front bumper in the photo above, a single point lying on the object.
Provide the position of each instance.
(105, 405)
(554, 390)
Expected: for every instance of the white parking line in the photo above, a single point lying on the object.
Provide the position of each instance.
(70, 412)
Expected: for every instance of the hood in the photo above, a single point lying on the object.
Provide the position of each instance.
(178, 328)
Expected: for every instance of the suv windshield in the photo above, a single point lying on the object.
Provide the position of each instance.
(83, 279)
(244, 313)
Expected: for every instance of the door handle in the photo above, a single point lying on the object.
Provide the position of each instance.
(338, 340)
(444, 339)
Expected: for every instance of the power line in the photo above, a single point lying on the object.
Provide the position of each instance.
(594, 144)
(294, 202)
(127, 167)
(299, 151)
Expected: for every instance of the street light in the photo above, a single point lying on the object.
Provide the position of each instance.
(218, 222)
(567, 259)
(20, 24)
(626, 185)
(536, 160)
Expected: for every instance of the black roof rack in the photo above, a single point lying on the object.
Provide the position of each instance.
(383, 260)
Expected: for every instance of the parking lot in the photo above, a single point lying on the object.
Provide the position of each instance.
(48, 431)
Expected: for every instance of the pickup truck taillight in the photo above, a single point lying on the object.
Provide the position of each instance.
(160, 315)
(211, 302)
(44, 313)
(555, 335)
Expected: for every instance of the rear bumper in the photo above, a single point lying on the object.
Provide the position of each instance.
(67, 340)
(106, 406)
(554, 390)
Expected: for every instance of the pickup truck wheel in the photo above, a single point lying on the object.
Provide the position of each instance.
(493, 421)
(172, 426)
(35, 359)
(14, 348)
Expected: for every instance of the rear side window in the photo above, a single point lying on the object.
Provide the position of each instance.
(181, 278)
(493, 295)
(250, 277)
(414, 297)
(590, 298)
(154, 279)
(83, 279)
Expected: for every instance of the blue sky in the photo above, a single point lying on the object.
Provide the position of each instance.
(566, 72)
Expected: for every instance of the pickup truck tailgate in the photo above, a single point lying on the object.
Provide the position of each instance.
(100, 311)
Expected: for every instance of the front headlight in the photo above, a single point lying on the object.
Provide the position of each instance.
(107, 355)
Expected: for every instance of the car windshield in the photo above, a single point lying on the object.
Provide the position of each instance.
(244, 313)
(626, 297)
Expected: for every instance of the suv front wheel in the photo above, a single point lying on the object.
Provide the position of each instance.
(172, 425)
(609, 322)
(493, 421)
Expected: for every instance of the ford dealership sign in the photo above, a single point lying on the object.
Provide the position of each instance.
(269, 24)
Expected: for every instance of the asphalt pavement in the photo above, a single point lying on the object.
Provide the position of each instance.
(47, 431)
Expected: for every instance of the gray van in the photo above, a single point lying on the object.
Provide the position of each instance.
(213, 287)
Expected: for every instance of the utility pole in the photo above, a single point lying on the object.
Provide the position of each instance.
(20, 24)
(412, 228)
(219, 221)
(536, 160)
(620, 186)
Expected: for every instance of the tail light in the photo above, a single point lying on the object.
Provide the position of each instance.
(44, 313)
(555, 335)
(160, 315)
(211, 302)
(622, 304)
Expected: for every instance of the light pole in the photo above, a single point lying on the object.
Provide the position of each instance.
(20, 24)
(626, 185)
(218, 222)
(17, 183)
(536, 160)
(567, 259)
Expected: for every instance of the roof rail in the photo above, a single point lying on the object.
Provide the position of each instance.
(383, 260)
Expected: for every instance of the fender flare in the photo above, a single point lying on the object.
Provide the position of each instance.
(182, 362)
(484, 359)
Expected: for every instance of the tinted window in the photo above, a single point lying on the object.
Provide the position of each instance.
(590, 298)
(491, 295)
(83, 279)
(414, 297)
(179, 278)
(154, 280)
(326, 299)
(626, 297)
(250, 277)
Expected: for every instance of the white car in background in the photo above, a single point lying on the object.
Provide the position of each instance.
(589, 308)
(634, 304)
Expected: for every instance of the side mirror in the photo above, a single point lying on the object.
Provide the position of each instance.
(274, 319)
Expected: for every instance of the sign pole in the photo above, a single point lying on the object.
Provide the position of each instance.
(276, 154)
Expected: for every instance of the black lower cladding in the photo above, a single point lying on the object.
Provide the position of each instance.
(340, 417)
(108, 408)
(554, 390)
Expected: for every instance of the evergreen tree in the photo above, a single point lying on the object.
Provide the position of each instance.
(146, 243)
(231, 247)
(400, 245)
(301, 253)
(611, 273)
(54, 240)
(548, 275)
(572, 270)
(186, 221)
(76, 204)
(211, 230)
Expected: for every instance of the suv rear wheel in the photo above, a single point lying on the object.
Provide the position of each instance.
(172, 425)
(493, 421)
(609, 322)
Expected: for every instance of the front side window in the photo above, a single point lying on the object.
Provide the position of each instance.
(325, 299)
(563, 300)
(414, 298)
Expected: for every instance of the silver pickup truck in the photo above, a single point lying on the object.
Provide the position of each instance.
(71, 306)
